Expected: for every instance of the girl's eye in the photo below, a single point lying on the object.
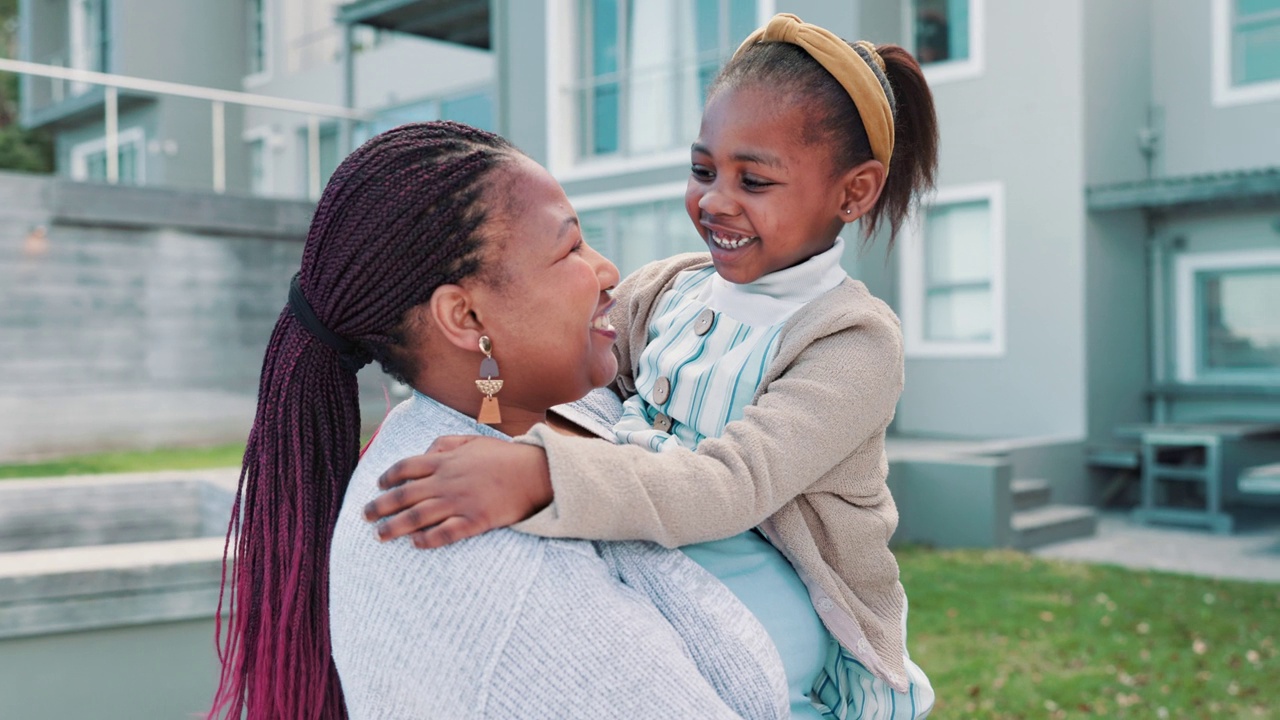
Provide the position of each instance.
(701, 172)
(751, 183)
(577, 247)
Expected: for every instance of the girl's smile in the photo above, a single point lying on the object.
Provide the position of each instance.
(762, 197)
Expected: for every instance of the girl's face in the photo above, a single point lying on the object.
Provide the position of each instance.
(547, 312)
(761, 197)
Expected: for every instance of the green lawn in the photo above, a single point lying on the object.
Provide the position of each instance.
(129, 461)
(1005, 635)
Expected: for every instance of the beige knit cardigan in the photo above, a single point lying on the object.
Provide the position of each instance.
(806, 463)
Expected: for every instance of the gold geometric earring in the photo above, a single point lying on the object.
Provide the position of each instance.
(489, 384)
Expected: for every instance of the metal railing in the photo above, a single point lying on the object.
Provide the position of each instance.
(218, 100)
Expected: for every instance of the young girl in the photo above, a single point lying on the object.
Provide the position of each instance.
(765, 379)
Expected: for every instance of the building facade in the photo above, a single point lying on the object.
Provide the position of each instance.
(291, 49)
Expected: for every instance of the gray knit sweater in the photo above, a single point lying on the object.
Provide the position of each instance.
(514, 626)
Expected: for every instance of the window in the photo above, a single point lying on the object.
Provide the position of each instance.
(1227, 326)
(633, 231)
(473, 108)
(260, 166)
(952, 275)
(89, 159)
(1246, 36)
(90, 41)
(330, 154)
(258, 41)
(644, 69)
(945, 36)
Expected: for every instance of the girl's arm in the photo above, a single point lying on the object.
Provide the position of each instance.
(838, 393)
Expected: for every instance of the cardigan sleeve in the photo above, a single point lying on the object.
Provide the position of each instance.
(838, 394)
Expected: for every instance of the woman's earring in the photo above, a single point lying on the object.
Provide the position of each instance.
(847, 211)
(489, 384)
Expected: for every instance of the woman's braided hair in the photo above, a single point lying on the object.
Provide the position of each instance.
(402, 215)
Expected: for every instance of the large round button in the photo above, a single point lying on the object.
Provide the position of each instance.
(706, 319)
(661, 391)
(662, 423)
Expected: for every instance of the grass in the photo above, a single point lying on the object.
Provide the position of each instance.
(1005, 635)
(129, 461)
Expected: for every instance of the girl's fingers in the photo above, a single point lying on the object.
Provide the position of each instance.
(448, 532)
(420, 516)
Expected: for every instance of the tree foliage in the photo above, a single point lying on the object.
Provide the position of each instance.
(20, 148)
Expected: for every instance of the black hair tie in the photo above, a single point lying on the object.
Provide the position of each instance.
(352, 357)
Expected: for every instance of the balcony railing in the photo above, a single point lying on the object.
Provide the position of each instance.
(65, 82)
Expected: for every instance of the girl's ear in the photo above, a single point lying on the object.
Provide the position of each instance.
(862, 185)
(453, 312)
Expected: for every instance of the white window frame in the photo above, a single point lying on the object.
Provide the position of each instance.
(631, 197)
(562, 127)
(132, 136)
(271, 142)
(1225, 94)
(911, 270)
(1186, 326)
(952, 70)
(262, 77)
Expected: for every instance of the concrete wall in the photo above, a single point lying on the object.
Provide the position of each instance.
(1199, 137)
(1020, 123)
(166, 670)
(136, 317)
(953, 502)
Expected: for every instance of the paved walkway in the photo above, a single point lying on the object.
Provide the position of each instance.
(1252, 552)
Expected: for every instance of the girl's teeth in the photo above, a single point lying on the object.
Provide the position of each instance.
(601, 323)
(730, 243)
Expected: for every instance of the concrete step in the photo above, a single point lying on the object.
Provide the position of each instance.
(1052, 523)
(1028, 494)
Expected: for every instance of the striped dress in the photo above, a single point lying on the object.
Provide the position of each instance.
(709, 345)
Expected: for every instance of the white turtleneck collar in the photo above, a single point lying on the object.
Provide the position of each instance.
(774, 297)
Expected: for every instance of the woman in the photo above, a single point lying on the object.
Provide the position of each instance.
(438, 249)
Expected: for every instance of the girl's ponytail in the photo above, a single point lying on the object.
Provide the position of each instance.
(915, 152)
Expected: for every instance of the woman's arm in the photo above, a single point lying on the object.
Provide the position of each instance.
(838, 393)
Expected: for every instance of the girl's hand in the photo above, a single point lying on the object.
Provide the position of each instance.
(461, 487)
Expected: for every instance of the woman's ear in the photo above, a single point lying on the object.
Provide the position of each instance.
(862, 186)
(453, 312)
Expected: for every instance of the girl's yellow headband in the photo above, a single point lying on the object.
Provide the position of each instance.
(846, 66)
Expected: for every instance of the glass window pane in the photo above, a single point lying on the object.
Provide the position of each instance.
(128, 164)
(597, 232)
(258, 167)
(475, 110)
(742, 22)
(257, 36)
(1245, 8)
(959, 315)
(682, 236)
(957, 242)
(639, 237)
(1241, 325)
(1256, 50)
(942, 30)
(96, 165)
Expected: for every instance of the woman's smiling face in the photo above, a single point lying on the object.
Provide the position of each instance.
(762, 197)
(547, 313)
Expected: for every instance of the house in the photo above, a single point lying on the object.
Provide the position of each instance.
(1102, 251)
(284, 49)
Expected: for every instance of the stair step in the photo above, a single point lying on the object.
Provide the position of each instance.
(1052, 523)
(1028, 494)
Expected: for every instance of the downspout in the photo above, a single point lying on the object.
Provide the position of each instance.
(346, 131)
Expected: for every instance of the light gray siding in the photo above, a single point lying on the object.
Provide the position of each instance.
(1199, 137)
(1021, 124)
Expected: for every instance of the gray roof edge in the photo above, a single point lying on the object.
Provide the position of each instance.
(1228, 189)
